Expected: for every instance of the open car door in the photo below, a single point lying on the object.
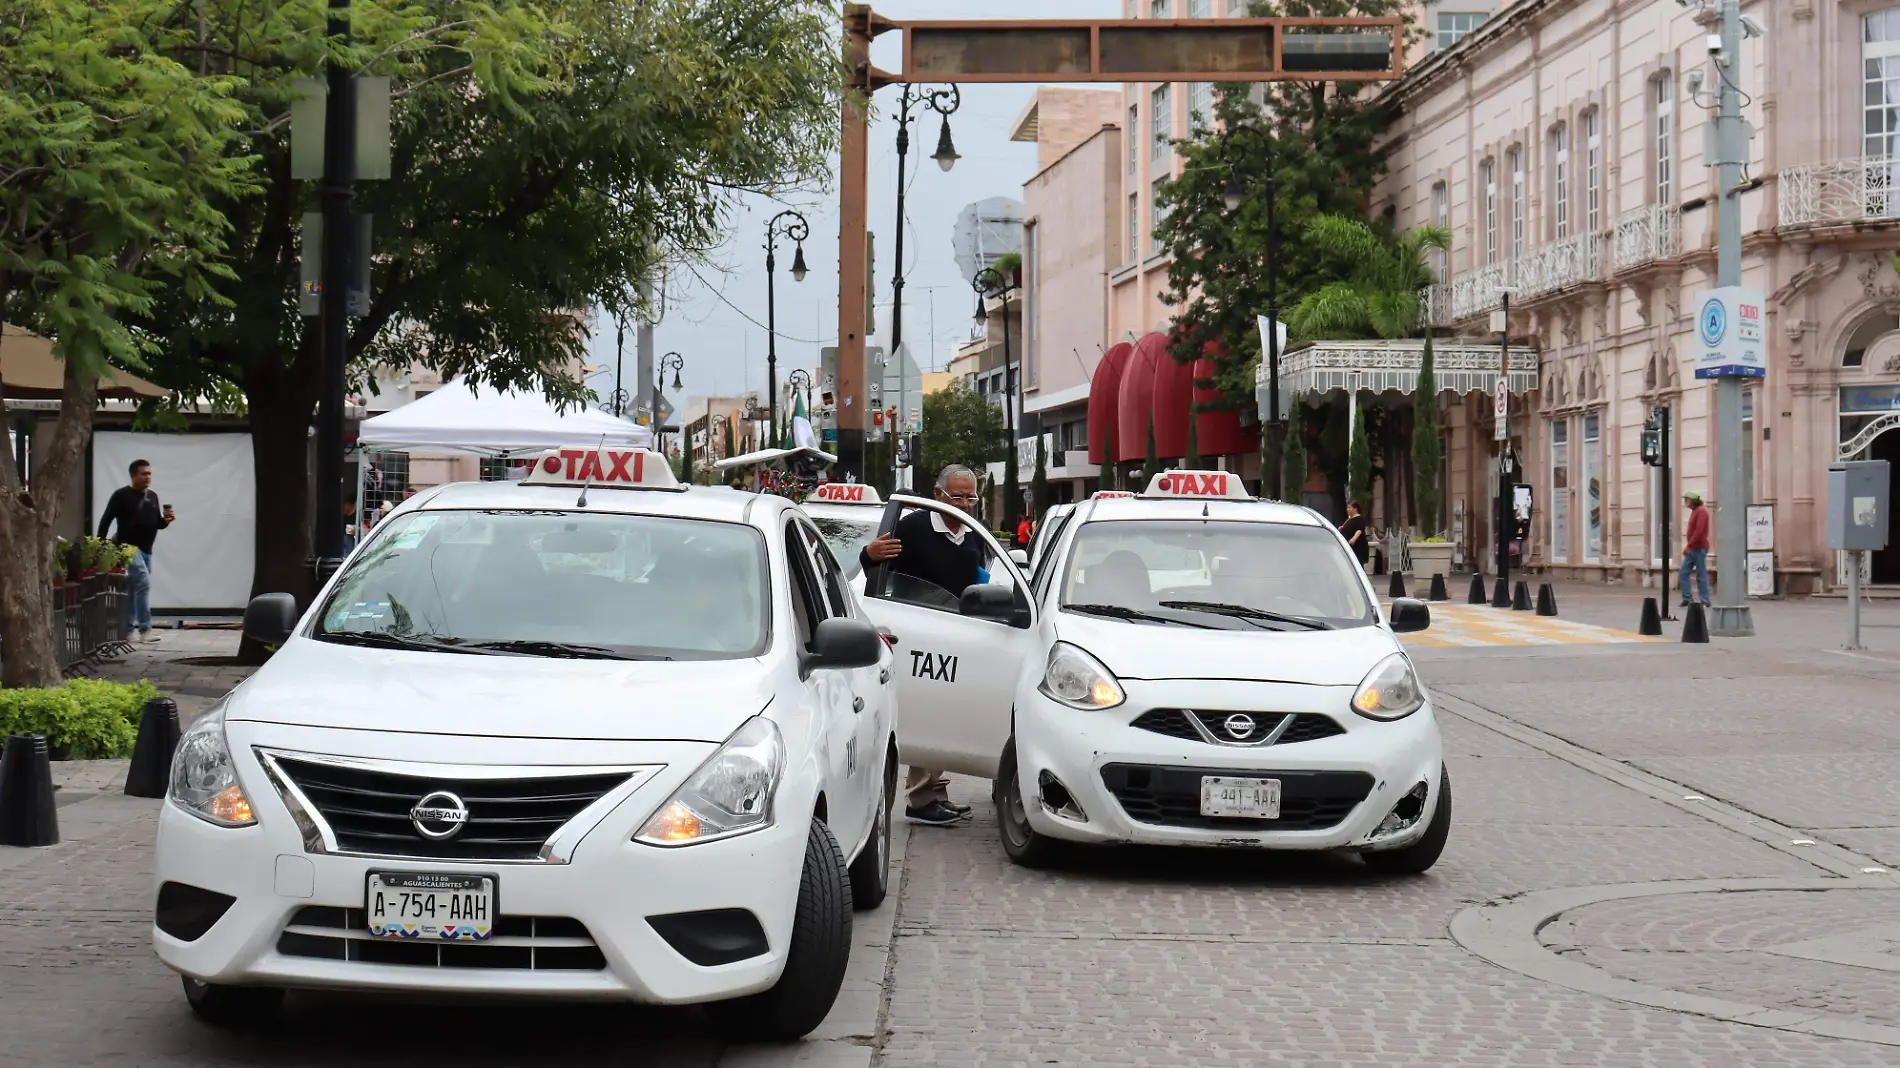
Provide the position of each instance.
(959, 653)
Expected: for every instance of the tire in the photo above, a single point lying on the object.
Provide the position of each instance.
(871, 872)
(1021, 842)
(232, 1006)
(814, 965)
(1418, 857)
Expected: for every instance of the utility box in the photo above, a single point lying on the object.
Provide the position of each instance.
(1859, 494)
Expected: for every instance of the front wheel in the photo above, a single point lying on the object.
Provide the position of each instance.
(1021, 842)
(231, 1006)
(1418, 857)
(871, 872)
(814, 966)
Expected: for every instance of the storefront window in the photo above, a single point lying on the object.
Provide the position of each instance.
(1560, 490)
(1593, 490)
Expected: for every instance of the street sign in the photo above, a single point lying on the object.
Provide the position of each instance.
(308, 100)
(1730, 333)
(666, 409)
(1502, 407)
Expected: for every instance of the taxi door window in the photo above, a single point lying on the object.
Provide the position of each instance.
(808, 606)
(896, 584)
(829, 574)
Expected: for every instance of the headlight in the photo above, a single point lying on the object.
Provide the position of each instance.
(730, 794)
(1078, 680)
(204, 779)
(1391, 690)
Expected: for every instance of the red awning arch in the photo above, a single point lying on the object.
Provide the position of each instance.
(1135, 404)
(1104, 399)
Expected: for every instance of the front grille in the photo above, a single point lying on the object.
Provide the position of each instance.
(1179, 723)
(520, 943)
(1171, 797)
(508, 819)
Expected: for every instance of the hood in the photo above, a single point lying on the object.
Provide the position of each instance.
(1300, 657)
(319, 684)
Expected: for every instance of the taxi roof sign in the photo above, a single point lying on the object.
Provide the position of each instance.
(1109, 495)
(846, 493)
(607, 468)
(1200, 485)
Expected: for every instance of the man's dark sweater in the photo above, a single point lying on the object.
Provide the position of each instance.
(930, 555)
(138, 515)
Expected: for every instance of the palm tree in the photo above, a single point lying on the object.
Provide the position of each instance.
(1380, 298)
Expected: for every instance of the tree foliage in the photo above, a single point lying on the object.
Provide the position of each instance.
(1379, 296)
(1293, 460)
(960, 427)
(1359, 463)
(1427, 447)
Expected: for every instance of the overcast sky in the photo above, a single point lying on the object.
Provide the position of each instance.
(715, 312)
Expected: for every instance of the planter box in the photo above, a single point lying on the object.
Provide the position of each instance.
(1430, 558)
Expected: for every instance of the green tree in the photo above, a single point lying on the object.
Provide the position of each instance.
(548, 154)
(960, 427)
(1039, 483)
(686, 454)
(1293, 477)
(1427, 447)
(112, 159)
(1359, 464)
(1107, 478)
(1379, 297)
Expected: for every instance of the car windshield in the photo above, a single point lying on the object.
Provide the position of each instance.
(552, 583)
(847, 537)
(1229, 575)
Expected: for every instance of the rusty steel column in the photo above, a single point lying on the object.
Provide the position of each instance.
(853, 272)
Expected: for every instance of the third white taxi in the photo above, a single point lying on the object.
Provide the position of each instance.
(1190, 666)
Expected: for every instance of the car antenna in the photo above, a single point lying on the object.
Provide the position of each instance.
(585, 486)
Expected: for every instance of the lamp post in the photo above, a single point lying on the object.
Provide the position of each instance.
(619, 398)
(1232, 196)
(1501, 594)
(990, 282)
(675, 361)
(944, 102)
(787, 223)
(800, 382)
(752, 416)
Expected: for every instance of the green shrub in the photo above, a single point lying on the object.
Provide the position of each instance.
(86, 719)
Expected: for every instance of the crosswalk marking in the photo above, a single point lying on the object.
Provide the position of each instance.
(1476, 626)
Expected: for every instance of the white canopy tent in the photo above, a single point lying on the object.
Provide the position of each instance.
(488, 422)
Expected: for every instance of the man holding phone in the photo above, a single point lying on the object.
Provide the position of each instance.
(140, 517)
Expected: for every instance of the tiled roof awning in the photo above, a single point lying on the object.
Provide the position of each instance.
(1379, 366)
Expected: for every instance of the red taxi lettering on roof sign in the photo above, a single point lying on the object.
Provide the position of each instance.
(603, 467)
(1109, 495)
(1197, 484)
(847, 493)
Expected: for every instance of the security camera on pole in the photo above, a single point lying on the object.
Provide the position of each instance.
(1730, 336)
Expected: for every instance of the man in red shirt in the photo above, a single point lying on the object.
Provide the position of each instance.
(1695, 549)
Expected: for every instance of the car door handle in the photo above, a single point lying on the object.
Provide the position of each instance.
(888, 636)
(884, 676)
(857, 704)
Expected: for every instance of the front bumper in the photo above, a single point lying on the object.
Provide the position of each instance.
(604, 894)
(1128, 784)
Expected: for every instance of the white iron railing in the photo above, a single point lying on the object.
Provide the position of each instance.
(1567, 261)
(1646, 235)
(1475, 292)
(1840, 191)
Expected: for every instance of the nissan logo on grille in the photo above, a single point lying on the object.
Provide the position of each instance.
(1239, 727)
(439, 816)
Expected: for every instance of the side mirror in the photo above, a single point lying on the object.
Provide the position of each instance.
(987, 601)
(844, 643)
(1410, 615)
(270, 617)
(1019, 557)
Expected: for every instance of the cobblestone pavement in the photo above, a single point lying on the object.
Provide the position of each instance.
(1477, 626)
(1579, 769)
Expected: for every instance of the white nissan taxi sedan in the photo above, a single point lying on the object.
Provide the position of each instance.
(589, 735)
(847, 514)
(1190, 667)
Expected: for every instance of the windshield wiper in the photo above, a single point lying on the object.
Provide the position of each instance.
(382, 639)
(1243, 612)
(1116, 611)
(567, 650)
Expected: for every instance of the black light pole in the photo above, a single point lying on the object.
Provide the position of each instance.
(800, 382)
(1233, 195)
(1501, 594)
(339, 271)
(619, 398)
(675, 361)
(944, 102)
(990, 282)
(787, 223)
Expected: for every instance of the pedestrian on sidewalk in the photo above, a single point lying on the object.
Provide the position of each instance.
(140, 517)
(1025, 529)
(1354, 531)
(938, 550)
(1695, 549)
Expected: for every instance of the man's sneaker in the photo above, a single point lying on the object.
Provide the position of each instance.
(962, 811)
(936, 814)
(148, 636)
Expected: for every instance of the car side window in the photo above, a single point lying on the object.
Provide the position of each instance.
(894, 585)
(1039, 585)
(808, 605)
(830, 575)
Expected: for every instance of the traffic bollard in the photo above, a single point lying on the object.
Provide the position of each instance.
(1398, 584)
(152, 754)
(1477, 590)
(1501, 593)
(27, 813)
(1695, 625)
(1651, 624)
(1546, 600)
(1439, 593)
(1521, 597)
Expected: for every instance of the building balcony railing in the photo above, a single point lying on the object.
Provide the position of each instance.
(1840, 191)
(1556, 265)
(1646, 235)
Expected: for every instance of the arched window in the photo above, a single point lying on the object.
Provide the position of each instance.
(1560, 179)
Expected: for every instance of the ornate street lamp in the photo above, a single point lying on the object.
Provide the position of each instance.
(944, 102)
(674, 361)
(787, 223)
(990, 282)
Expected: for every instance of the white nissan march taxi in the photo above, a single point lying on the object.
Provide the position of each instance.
(1191, 667)
(590, 735)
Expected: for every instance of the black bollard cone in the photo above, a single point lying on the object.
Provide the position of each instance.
(1398, 584)
(1521, 597)
(27, 815)
(1439, 593)
(1546, 600)
(1477, 589)
(1695, 625)
(1501, 593)
(152, 756)
(1651, 626)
